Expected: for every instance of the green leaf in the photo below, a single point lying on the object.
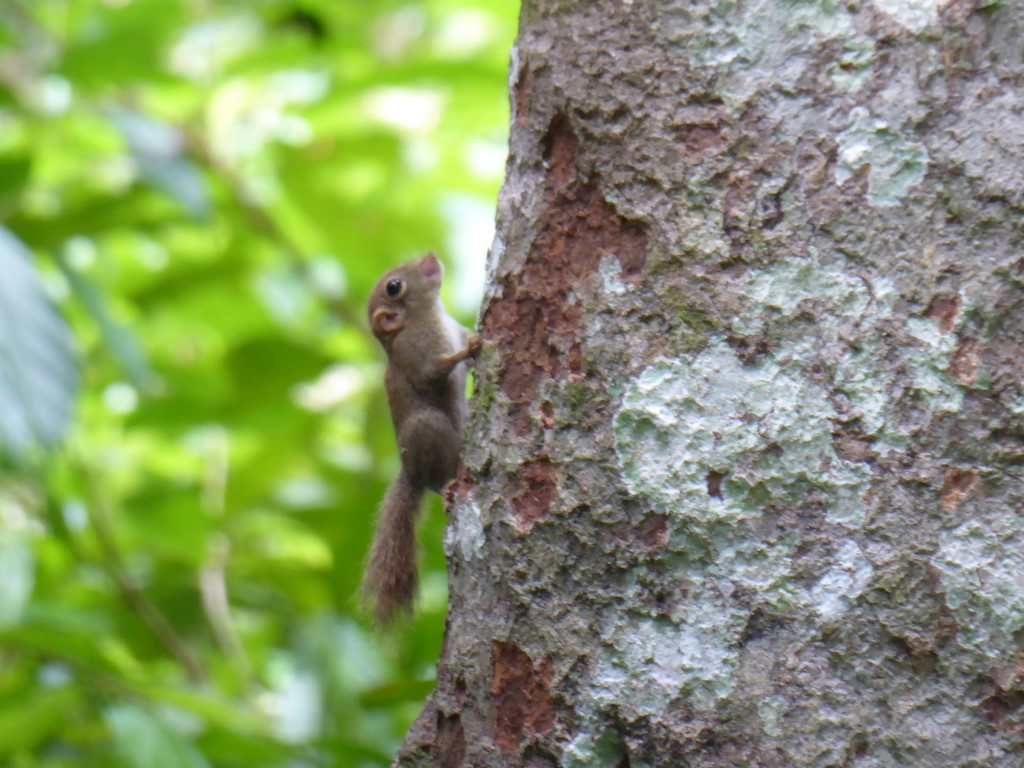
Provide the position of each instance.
(159, 150)
(118, 44)
(14, 175)
(267, 538)
(38, 378)
(34, 717)
(213, 708)
(143, 741)
(17, 571)
(119, 339)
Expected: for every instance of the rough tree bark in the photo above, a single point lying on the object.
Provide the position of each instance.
(743, 472)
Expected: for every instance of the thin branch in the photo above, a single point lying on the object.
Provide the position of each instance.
(130, 591)
(214, 590)
(213, 575)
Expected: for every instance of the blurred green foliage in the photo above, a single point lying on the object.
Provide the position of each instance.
(195, 198)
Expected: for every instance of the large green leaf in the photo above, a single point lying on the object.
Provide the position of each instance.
(38, 378)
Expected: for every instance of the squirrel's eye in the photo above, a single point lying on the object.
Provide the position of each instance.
(394, 287)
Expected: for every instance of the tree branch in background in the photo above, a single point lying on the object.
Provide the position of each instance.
(132, 594)
(213, 588)
(213, 575)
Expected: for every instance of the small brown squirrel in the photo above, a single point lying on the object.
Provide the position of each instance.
(425, 382)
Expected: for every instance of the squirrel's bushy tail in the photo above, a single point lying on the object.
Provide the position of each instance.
(391, 579)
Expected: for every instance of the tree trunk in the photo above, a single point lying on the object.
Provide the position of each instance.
(743, 472)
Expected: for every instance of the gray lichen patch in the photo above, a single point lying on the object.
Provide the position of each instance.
(924, 373)
(744, 563)
(987, 142)
(849, 310)
(929, 365)
(595, 751)
(852, 70)
(1017, 406)
(611, 275)
(771, 36)
(847, 578)
(648, 662)
(915, 15)
(767, 432)
(763, 427)
(694, 650)
(895, 163)
(764, 432)
(465, 534)
(772, 710)
(980, 565)
(796, 281)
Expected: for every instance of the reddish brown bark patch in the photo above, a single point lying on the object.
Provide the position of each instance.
(944, 310)
(699, 141)
(450, 742)
(528, 329)
(1008, 676)
(654, 531)
(699, 130)
(522, 94)
(853, 446)
(934, 635)
(537, 320)
(547, 415)
(458, 489)
(714, 483)
(574, 360)
(522, 696)
(964, 364)
(538, 489)
(957, 486)
(524, 421)
(735, 206)
(561, 150)
(1003, 704)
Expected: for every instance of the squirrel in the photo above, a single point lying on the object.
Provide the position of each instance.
(425, 381)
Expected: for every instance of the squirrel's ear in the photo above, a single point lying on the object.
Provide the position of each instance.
(387, 321)
(430, 266)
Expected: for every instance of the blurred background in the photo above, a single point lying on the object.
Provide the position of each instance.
(195, 198)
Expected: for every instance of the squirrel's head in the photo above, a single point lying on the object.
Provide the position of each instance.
(404, 294)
